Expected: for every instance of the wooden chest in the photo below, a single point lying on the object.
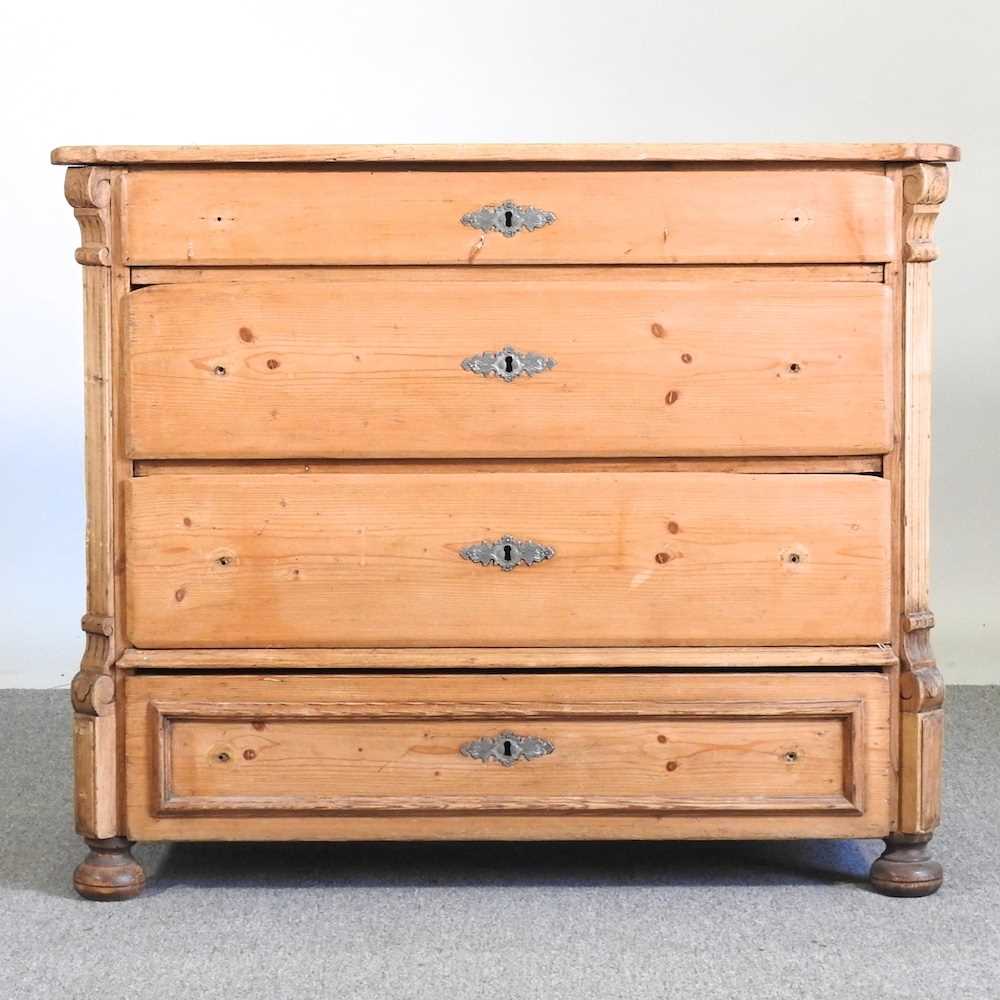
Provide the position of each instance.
(531, 492)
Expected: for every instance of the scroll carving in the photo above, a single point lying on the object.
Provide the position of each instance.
(93, 689)
(93, 693)
(925, 187)
(921, 696)
(95, 726)
(88, 190)
(921, 687)
(921, 690)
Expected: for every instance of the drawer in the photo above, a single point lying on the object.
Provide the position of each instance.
(270, 748)
(404, 368)
(323, 216)
(504, 559)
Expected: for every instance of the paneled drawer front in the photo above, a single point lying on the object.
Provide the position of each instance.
(386, 559)
(416, 217)
(638, 367)
(781, 745)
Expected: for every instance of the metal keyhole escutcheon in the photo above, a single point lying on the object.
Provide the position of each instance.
(508, 218)
(507, 748)
(507, 552)
(508, 363)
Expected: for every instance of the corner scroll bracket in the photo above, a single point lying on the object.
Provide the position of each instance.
(92, 690)
(921, 686)
(88, 190)
(925, 187)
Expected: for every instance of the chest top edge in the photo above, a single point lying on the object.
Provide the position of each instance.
(882, 152)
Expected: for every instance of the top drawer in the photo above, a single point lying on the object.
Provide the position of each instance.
(699, 215)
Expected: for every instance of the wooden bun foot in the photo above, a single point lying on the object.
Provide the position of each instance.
(109, 872)
(906, 867)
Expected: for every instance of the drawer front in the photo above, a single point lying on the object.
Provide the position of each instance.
(387, 559)
(400, 368)
(578, 745)
(320, 216)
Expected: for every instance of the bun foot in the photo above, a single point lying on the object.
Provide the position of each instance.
(109, 872)
(906, 867)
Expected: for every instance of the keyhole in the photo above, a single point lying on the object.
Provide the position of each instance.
(508, 363)
(506, 748)
(506, 558)
(508, 218)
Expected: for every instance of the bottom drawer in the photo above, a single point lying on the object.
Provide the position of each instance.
(218, 756)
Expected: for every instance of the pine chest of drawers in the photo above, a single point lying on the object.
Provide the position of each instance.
(507, 492)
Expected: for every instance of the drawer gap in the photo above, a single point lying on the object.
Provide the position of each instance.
(851, 465)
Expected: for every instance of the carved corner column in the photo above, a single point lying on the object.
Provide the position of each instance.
(89, 191)
(906, 868)
(925, 187)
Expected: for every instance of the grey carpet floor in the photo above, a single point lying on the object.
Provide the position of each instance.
(512, 922)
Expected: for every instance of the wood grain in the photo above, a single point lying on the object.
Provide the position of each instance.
(500, 827)
(237, 763)
(373, 369)
(426, 273)
(924, 191)
(91, 191)
(925, 188)
(517, 152)
(922, 736)
(301, 512)
(642, 559)
(224, 752)
(892, 462)
(292, 216)
(544, 657)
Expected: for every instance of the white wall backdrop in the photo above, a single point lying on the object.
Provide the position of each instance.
(434, 71)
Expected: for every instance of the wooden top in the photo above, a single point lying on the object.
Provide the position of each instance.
(499, 153)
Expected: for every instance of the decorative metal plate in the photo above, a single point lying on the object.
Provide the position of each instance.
(508, 363)
(507, 552)
(507, 748)
(507, 218)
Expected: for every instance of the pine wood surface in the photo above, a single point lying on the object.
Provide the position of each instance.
(374, 369)
(302, 510)
(541, 657)
(414, 765)
(427, 273)
(641, 559)
(499, 152)
(232, 216)
(93, 195)
(766, 744)
(924, 189)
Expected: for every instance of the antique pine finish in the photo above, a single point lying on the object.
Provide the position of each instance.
(741, 746)
(298, 216)
(282, 554)
(391, 389)
(295, 460)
